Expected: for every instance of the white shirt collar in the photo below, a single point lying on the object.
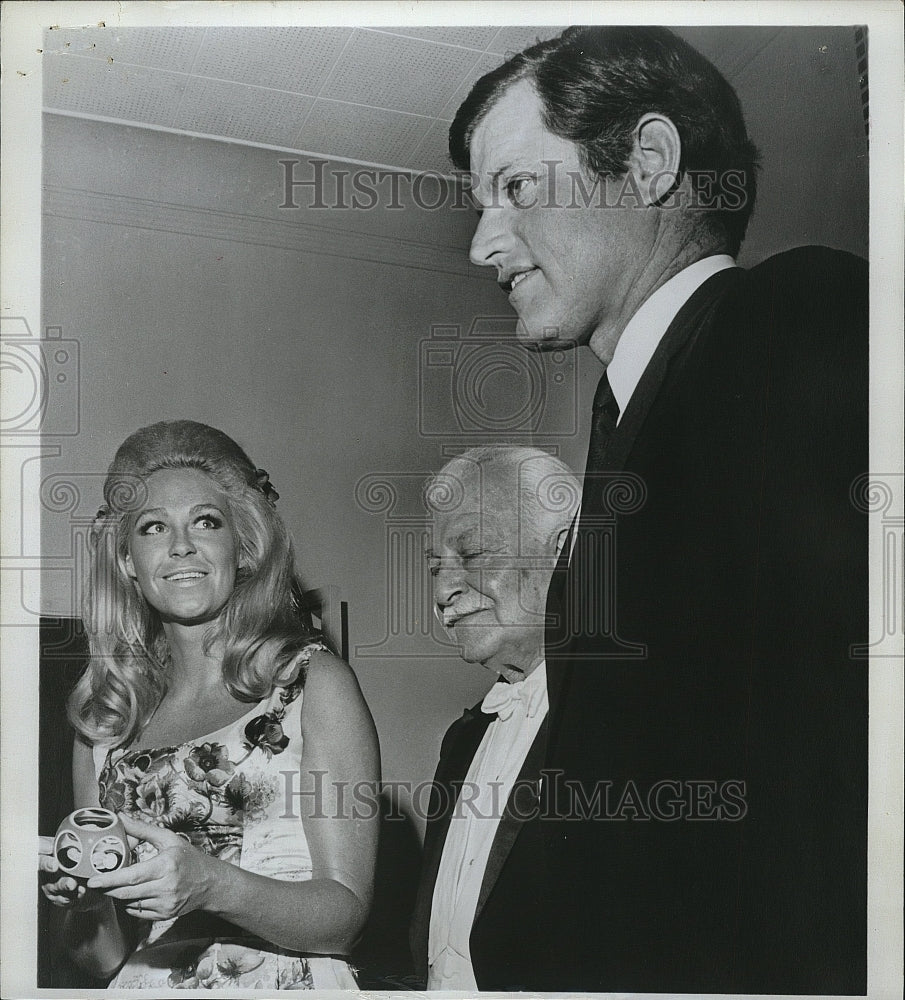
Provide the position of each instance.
(645, 329)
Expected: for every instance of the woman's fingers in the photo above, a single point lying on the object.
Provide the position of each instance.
(47, 864)
(138, 874)
(156, 835)
(63, 892)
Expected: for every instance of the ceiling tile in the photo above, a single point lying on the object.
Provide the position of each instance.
(253, 114)
(511, 40)
(112, 90)
(401, 74)
(474, 37)
(433, 152)
(485, 64)
(164, 48)
(360, 133)
(295, 59)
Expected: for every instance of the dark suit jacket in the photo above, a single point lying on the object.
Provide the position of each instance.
(741, 576)
(507, 913)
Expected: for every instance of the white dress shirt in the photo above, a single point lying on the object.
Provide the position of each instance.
(476, 817)
(645, 330)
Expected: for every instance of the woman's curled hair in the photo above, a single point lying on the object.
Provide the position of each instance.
(262, 630)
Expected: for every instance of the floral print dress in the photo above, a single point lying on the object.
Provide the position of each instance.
(229, 793)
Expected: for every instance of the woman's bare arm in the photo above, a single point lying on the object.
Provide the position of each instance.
(338, 806)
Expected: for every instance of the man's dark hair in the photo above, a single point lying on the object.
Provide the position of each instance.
(595, 83)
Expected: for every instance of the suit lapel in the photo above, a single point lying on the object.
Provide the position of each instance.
(681, 334)
(666, 363)
(512, 821)
(456, 754)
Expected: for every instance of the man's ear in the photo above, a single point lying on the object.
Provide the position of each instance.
(655, 157)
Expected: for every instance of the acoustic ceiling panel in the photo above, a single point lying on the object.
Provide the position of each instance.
(253, 114)
(432, 153)
(113, 90)
(404, 74)
(293, 59)
(475, 37)
(508, 41)
(353, 131)
(162, 48)
(484, 65)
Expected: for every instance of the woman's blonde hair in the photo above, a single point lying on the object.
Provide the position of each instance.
(261, 628)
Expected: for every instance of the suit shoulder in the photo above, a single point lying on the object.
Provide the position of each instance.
(814, 275)
(812, 298)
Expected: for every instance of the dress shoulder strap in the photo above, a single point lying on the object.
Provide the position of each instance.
(99, 757)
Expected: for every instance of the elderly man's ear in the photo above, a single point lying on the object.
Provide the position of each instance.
(655, 157)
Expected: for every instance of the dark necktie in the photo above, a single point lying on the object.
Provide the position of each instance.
(603, 424)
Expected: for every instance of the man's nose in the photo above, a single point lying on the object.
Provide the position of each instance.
(449, 584)
(491, 238)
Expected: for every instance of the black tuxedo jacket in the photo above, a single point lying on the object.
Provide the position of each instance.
(718, 713)
(508, 935)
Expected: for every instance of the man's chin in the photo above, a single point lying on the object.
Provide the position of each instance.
(545, 339)
(472, 650)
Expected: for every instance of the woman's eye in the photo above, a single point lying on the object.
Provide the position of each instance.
(209, 521)
(521, 190)
(471, 556)
(151, 528)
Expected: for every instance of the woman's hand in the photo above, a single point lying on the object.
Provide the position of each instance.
(175, 881)
(64, 890)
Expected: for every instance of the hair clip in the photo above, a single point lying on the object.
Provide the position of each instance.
(266, 487)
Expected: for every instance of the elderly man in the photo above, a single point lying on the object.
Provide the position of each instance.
(500, 517)
(615, 179)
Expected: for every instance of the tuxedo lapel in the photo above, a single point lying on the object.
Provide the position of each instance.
(456, 754)
(679, 337)
(513, 819)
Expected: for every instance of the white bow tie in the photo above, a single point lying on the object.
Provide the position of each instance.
(503, 699)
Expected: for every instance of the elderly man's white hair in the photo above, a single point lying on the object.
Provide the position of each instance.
(546, 489)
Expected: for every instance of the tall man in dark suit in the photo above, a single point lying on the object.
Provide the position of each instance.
(500, 516)
(705, 766)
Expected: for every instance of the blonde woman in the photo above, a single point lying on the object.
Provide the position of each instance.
(221, 730)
